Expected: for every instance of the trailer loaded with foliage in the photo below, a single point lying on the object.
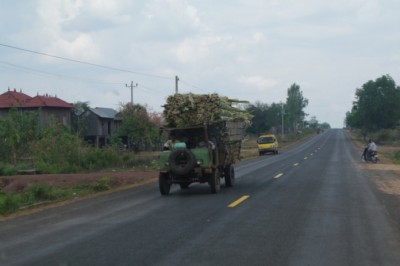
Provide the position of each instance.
(209, 130)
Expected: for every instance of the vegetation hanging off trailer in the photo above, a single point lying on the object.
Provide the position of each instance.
(185, 110)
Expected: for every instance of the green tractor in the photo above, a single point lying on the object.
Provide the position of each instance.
(203, 154)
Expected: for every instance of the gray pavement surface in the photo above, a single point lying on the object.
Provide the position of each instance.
(309, 205)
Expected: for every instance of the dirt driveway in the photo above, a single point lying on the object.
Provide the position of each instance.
(384, 174)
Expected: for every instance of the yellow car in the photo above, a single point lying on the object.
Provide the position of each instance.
(267, 143)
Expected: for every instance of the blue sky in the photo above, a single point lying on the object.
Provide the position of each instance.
(245, 49)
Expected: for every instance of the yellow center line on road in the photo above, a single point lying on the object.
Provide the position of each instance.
(278, 175)
(238, 201)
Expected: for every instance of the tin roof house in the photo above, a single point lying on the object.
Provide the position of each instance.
(102, 123)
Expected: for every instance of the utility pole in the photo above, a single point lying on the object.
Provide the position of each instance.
(282, 114)
(176, 84)
(131, 86)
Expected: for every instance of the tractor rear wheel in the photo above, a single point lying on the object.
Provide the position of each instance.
(229, 172)
(164, 183)
(215, 181)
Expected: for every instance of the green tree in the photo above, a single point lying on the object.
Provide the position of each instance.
(376, 105)
(137, 125)
(18, 130)
(295, 104)
(57, 150)
(313, 122)
(259, 122)
(325, 125)
(275, 114)
(265, 117)
(78, 121)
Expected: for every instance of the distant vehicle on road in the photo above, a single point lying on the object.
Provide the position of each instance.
(267, 143)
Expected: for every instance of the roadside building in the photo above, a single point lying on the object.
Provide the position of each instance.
(49, 107)
(102, 123)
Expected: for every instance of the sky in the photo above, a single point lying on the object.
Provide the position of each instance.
(93, 50)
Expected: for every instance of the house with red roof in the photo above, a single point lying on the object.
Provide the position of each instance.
(12, 99)
(48, 106)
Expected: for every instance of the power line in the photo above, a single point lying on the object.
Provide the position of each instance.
(150, 90)
(142, 87)
(90, 64)
(83, 62)
(193, 86)
(28, 69)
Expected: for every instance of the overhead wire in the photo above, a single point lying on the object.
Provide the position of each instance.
(87, 63)
(28, 69)
(193, 86)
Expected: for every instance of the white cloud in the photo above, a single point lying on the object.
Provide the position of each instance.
(369, 11)
(252, 50)
(170, 19)
(195, 49)
(82, 47)
(258, 82)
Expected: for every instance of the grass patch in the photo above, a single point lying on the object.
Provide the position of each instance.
(395, 157)
(42, 193)
(102, 184)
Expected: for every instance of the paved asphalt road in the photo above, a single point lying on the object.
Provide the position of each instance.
(310, 205)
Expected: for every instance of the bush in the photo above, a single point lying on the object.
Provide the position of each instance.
(102, 184)
(6, 169)
(385, 136)
(40, 192)
(396, 156)
(47, 167)
(96, 159)
(8, 203)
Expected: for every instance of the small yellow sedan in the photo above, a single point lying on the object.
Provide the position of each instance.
(267, 143)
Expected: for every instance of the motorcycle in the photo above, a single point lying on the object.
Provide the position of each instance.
(370, 156)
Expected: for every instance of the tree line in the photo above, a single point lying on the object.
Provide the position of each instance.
(61, 149)
(376, 106)
(283, 117)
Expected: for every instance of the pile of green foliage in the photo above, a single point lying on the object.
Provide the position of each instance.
(186, 110)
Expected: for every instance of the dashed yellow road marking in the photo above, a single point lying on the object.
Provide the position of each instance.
(278, 175)
(238, 201)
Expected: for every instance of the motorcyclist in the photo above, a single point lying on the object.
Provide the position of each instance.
(371, 148)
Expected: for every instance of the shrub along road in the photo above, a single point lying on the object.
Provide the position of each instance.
(18, 183)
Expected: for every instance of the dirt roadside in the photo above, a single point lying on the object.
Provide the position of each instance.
(385, 179)
(385, 174)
